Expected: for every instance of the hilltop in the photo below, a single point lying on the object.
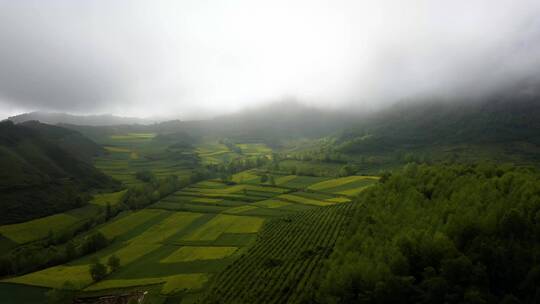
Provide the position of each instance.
(84, 120)
(38, 176)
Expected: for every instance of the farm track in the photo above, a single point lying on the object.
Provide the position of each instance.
(285, 261)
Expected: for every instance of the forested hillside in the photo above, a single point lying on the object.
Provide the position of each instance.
(505, 129)
(72, 141)
(39, 177)
(442, 234)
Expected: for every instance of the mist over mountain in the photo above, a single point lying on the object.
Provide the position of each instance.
(84, 120)
(190, 58)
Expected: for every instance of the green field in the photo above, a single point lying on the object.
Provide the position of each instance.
(112, 198)
(284, 264)
(180, 244)
(223, 223)
(190, 253)
(132, 152)
(303, 200)
(41, 228)
(350, 185)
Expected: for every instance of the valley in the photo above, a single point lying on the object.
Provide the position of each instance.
(178, 245)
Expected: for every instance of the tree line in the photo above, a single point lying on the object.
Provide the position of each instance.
(441, 234)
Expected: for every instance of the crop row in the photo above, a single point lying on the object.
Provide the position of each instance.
(284, 263)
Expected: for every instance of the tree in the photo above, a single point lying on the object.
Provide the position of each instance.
(98, 271)
(95, 242)
(71, 251)
(108, 210)
(145, 176)
(65, 294)
(113, 262)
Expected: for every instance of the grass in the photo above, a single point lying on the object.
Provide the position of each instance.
(284, 264)
(113, 198)
(206, 200)
(163, 230)
(16, 294)
(184, 282)
(352, 192)
(282, 180)
(271, 203)
(131, 252)
(173, 284)
(241, 209)
(55, 277)
(338, 200)
(333, 183)
(246, 177)
(254, 148)
(126, 223)
(210, 184)
(117, 149)
(39, 228)
(133, 136)
(223, 223)
(190, 253)
(301, 182)
(303, 200)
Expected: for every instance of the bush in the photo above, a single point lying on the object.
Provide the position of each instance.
(98, 271)
(113, 262)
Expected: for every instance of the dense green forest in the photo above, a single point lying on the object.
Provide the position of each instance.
(442, 234)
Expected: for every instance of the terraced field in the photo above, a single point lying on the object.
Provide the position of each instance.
(40, 228)
(217, 153)
(186, 241)
(174, 249)
(350, 185)
(214, 153)
(284, 264)
(129, 153)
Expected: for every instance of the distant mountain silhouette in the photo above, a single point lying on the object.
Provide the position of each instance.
(82, 120)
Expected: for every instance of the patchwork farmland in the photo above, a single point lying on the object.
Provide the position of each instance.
(198, 241)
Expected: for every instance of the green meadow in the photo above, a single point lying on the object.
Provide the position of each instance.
(178, 245)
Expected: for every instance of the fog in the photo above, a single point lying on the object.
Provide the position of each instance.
(193, 59)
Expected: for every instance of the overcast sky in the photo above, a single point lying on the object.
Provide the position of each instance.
(195, 58)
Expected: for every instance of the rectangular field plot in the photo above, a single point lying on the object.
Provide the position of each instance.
(342, 184)
(175, 283)
(241, 209)
(133, 136)
(112, 198)
(338, 200)
(191, 253)
(314, 195)
(303, 200)
(39, 228)
(300, 182)
(254, 149)
(129, 222)
(210, 184)
(282, 180)
(246, 177)
(168, 227)
(55, 277)
(223, 223)
(131, 252)
(197, 208)
(271, 203)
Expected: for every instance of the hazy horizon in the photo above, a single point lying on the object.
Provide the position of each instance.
(198, 59)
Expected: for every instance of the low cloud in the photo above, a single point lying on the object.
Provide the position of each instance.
(193, 57)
